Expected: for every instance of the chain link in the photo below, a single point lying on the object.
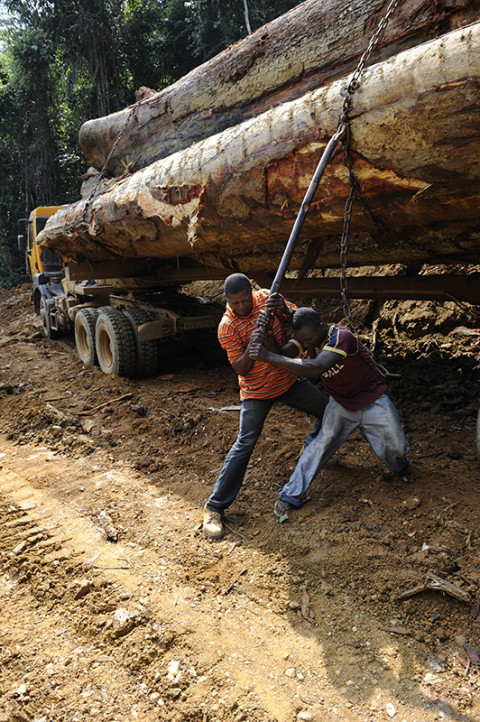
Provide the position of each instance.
(355, 192)
(354, 83)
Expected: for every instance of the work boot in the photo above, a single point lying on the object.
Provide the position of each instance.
(405, 474)
(213, 524)
(282, 510)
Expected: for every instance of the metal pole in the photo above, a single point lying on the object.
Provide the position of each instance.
(304, 208)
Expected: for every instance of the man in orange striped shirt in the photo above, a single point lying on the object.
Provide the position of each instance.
(261, 384)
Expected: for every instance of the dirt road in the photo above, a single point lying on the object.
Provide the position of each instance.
(114, 606)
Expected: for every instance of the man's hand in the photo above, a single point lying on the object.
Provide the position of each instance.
(265, 321)
(259, 335)
(258, 351)
(276, 302)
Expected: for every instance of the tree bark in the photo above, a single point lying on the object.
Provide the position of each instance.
(302, 50)
(230, 198)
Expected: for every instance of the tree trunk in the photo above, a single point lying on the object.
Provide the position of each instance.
(302, 50)
(228, 199)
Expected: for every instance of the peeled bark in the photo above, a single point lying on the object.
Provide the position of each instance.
(230, 198)
(308, 47)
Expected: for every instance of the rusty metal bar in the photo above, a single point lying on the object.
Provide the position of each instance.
(446, 287)
(304, 208)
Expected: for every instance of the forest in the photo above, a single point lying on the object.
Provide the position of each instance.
(63, 62)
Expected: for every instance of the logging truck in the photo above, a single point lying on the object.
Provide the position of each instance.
(207, 176)
(119, 323)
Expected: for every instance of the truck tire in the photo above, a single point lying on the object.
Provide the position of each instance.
(147, 351)
(115, 343)
(46, 320)
(85, 322)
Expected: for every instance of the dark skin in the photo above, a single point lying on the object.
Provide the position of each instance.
(311, 335)
(241, 304)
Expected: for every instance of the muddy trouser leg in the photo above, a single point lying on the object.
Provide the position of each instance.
(383, 430)
(338, 423)
(253, 413)
(305, 396)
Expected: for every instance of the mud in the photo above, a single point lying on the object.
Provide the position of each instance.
(299, 620)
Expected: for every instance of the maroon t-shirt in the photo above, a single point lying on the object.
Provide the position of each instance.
(354, 381)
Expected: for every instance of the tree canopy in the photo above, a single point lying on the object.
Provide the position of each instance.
(65, 61)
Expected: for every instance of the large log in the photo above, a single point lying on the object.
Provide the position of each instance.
(311, 45)
(230, 198)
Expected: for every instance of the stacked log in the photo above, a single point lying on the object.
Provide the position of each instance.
(232, 198)
(305, 49)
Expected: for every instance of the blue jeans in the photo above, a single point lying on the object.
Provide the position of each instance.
(380, 425)
(302, 395)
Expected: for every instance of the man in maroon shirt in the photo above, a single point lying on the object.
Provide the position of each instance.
(357, 399)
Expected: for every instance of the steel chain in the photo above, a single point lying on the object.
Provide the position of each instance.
(105, 165)
(355, 191)
(354, 83)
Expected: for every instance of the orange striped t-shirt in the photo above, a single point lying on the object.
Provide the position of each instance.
(263, 381)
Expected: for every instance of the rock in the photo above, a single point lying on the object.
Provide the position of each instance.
(81, 587)
(173, 669)
(290, 672)
(390, 709)
(20, 548)
(411, 503)
(123, 622)
(304, 715)
(435, 665)
(105, 522)
(63, 419)
(139, 410)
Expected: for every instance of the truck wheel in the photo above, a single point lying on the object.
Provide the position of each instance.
(147, 351)
(85, 322)
(46, 320)
(115, 343)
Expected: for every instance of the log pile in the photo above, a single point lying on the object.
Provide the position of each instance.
(305, 49)
(230, 199)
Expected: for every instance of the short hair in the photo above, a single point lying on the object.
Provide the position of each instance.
(236, 283)
(305, 317)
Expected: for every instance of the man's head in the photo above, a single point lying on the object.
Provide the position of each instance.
(308, 326)
(238, 292)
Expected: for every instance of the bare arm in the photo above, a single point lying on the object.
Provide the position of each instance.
(310, 368)
(271, 343)
(245, 363)
(260, 336)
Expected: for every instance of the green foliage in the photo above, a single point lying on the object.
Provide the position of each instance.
(196, 30)
(65, 61)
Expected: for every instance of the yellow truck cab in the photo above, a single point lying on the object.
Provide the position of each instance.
(44, 267)
(35, 258)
